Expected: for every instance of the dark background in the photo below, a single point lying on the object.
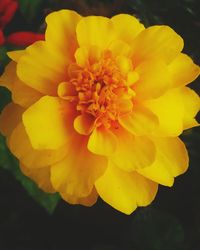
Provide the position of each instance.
(171, 222)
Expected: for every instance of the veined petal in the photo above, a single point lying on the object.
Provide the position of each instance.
(41, 176)
(158, 41)
(154, 79)
(125, 191)
(86, 201)
(54, 69)
(102, 142)
(61, 32)
(133, 152)
(169, 110)
(30, 157)
(10, 117)
(95, 31)
(127, 27)
(75, 174)
(49, 123)
(183, 70)
(171, 161)
(140, 121)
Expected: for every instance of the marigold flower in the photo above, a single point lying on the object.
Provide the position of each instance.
(98, 107)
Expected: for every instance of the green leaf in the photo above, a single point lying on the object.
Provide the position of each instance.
(3, 58)
(155, 230)
(30, 8)
(10, 163)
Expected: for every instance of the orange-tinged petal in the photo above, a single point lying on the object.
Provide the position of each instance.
(61, 32)
(95, 31)
(30, 157)
(125, 191)
(157, 42)
(42, 68)
(183, 70)
(10, 117)
(86, 201)
(133, 152)
(171, 161)
(82, 56)
(41, 176)
(127, 27)
(15, 55)
(9, 76)
(102, 142)
(169, 110)
(140, 121)
(75, 174)
(48, 123)
(84, 124)
(154, 79)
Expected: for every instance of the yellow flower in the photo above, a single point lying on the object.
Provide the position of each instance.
(98, 107)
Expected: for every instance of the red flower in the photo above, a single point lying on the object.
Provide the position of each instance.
(7, 11)
(24, 38)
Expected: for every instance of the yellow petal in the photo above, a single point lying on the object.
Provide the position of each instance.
(140, 121)
(102, 142)
(84, 124)
(95, 31)
(48, 123)
(153, 81)
(169, 110)
(30, 157)
(183, 70)
(191, 105)
(42, 68)
(127, 27)
(10, 117)
(41, 176)
(15, 55)
(82, 56)
(76, 173)
(157, 42)
(125, 191)
(21, 93)
(133, 152)
(61, 32)
(86, 201)
(171, 161)
(119, 48)
(9, 76)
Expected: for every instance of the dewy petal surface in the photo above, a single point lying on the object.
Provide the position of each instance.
(125, 191)
(48, 123)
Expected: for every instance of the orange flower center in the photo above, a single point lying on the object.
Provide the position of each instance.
(99, 89)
